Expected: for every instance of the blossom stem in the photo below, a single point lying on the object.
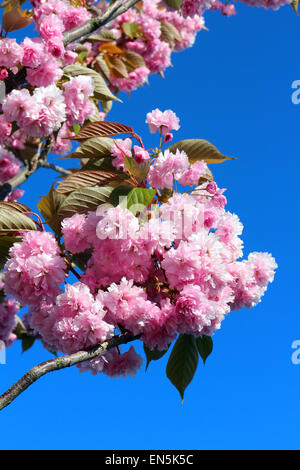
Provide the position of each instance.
(61, 363)
(71, 268)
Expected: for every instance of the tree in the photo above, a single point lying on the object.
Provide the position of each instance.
(144, 231)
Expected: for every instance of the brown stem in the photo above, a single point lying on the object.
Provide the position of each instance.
(61, 363)
(68, 262)
(52, 166)
(38, 161)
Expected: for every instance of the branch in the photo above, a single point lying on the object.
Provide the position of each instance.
(38, 160)
(61, 363)
(114, 10)
(52, 166)
(22, 176)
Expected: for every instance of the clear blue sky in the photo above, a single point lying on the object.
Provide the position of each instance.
(234, 89)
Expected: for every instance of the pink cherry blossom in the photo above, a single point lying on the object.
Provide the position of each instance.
(35, 269)
(165, 121)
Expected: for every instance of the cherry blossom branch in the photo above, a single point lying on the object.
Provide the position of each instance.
(38, 161)
(20, 178)
(61, 363)
(114, 10)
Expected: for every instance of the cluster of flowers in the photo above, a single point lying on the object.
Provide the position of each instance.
(149, 41)
(190, 8)
(48, 108)
(9, 167)
(44, 112)
(39, 55)
(54, 104)
(172, 269)
(9, 308)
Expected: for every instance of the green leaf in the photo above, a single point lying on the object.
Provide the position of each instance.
(19, 329)
(134, 59)
(55, 206)
(294, 5)
(205, 346)
(140, 170)
(183, 362)
(138, 199)
(119, 193)
(104, 164)
(153, 354)
(93, 148)
(5, 244)
(14, 221)
(103, 67)
(106, 106)
(27, 342)
(174, 3)
(131, 30)
(199, 149)
(117, 67)
(101, 91)
(101, 129)
(49, 205)
(169, 33)
(103, 36)
(82, 55)
(76, 128)
(14, 18)
(84, 200)
(96, 116)
(84, 178)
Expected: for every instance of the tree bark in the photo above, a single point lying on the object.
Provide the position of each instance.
(61, 363)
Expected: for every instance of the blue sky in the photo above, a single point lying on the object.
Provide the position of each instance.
(234, 89)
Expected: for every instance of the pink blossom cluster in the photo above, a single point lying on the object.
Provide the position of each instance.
(44, 56)
(149, 42)
(190, 8)
(168, 284)
(9, 308)
(184, 279)
(274, 4)
(114, 364)
(123, 148)
(9, 167)
(47, 109)
(172, 267)
(162, 121)
(177, 270)
(38, 114)
(35, 269)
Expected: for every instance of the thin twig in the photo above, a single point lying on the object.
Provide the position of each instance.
(70, 266)
(52, 166)
(38, 160)
(61, 363)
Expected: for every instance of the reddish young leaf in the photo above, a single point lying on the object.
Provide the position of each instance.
(101, 129)
(17, 206)
(80, 179)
